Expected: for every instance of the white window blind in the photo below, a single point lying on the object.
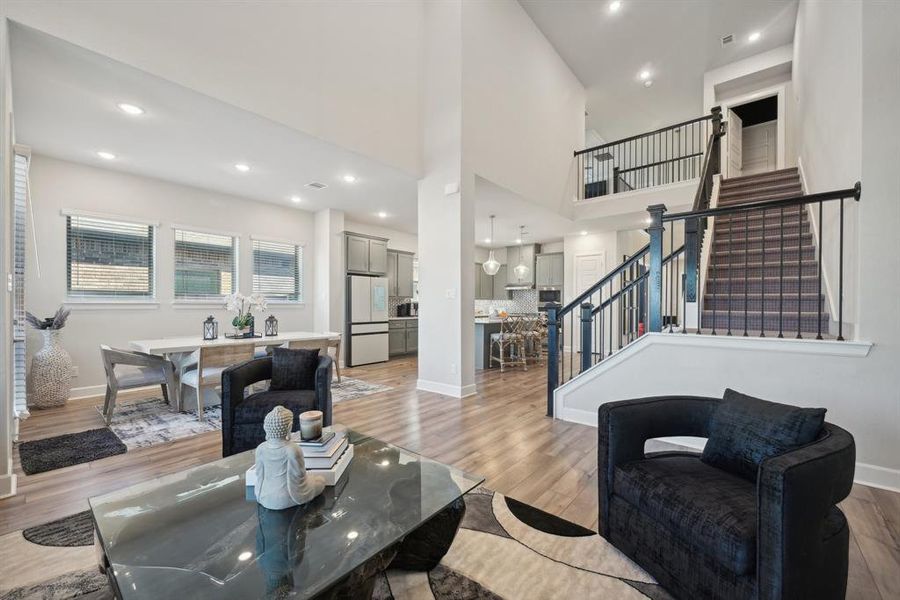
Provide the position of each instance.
(20, 207)
(205, 265)
(278, 270)
(109, 258)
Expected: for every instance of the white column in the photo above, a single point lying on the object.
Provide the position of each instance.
(328, 271)
(446, 215)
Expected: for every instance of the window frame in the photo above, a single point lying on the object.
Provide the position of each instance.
(209, 300)
(112, 300)
(301, 268)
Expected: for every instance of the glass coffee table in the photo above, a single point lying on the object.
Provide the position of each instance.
(194, 534)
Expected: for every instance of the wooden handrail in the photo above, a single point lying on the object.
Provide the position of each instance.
(617, 271)
(645, 134)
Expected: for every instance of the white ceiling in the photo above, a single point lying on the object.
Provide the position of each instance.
(65, 106)
(676, 41)
(511, 210)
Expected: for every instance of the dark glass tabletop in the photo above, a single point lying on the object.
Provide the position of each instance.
(194, 534)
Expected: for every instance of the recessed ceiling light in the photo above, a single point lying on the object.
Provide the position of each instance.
(106, 155)
(130, 109)
(295, 199)
(644, 75)
(518, 240)
(754, 36)
(382, 214)
(584, 233)
(242, 167)
(349, 178)
(487, 240)
(614, 6)
(648, 83)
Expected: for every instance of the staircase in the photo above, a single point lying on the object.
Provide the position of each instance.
(763, 270)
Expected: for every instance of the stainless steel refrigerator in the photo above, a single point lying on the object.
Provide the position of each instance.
(367, 319)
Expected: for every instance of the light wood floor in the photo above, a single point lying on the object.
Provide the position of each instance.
(501, 434)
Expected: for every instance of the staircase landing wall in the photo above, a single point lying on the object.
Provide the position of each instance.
(840, 376)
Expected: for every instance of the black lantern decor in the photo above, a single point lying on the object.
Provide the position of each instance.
(210, 328)
(271, 325)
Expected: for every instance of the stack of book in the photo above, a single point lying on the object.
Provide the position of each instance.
(327, 456)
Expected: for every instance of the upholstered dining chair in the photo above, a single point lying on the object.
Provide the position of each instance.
(324, 346)
(211, 361)
(127, 370)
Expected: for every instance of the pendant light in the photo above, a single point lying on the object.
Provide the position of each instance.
(521, 270)
(491, 266)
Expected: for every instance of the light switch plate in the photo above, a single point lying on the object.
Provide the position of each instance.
(451, 188)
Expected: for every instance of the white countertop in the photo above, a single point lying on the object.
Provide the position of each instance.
(487, 320)
(402, 318)
(191, 343)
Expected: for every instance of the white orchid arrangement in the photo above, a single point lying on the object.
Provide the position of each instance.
(243, 306)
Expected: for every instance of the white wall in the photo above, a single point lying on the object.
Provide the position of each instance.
(523, 108)
(58, 185)
(346, 72)
(329, 282)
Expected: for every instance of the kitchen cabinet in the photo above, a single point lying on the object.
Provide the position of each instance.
(403, 336)
(548, 270)
(404, 275)
(366, 254)
(520, 255)
(500, 279)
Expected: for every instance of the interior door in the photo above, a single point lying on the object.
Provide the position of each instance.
(589, 269)
(735, 139)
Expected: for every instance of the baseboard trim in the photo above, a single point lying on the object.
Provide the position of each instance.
(7, 485)
(445, 389)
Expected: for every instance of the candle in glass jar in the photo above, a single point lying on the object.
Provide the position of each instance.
(310, 425)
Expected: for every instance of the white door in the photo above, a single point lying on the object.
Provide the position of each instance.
(589, 269)
(360, 299)
(379, 311)
(734, 138)
(759, 148)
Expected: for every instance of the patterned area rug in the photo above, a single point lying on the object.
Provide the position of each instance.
(70, 449)
(151, 422)
(504, 549)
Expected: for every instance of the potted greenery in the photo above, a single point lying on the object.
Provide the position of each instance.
(243, 306)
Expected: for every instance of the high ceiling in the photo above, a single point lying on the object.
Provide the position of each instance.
(675, 41)
(66, 100)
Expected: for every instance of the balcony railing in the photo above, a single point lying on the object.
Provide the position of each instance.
(668, 155)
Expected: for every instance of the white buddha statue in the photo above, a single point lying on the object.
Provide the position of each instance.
(281, 478)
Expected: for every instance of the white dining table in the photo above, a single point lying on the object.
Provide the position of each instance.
(191, 343)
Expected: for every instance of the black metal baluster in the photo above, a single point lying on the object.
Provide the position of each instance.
(671, 282)
(746, 269)
(571, 343)
(762, 295)
(611, 323)
(799, 269)
(781, 281)
(819, 293)
(841, 273)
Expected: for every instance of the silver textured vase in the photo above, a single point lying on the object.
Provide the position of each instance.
(50, 378)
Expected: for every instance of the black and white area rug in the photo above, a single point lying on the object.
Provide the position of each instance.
(504, 549)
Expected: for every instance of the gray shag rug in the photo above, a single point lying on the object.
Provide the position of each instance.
(70, 449)
(504, 549)
(74, 530)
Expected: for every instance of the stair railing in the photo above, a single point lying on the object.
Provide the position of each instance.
(787, 295)
(663, 156)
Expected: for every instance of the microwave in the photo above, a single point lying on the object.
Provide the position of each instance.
(549, 296)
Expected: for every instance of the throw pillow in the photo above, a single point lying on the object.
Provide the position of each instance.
(744, 431)
(294, 369)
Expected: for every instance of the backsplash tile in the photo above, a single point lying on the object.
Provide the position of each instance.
(394, 302)
(523, 301)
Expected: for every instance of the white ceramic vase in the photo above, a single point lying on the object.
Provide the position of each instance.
(50, 378)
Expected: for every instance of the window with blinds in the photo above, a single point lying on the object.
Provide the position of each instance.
(278, 270)
(205, 265)
(20, 208)
(107, 258)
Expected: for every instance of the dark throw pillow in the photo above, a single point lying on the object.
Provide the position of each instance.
(294, 369)
(744, 431)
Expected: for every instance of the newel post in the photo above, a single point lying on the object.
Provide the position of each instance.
(587, 310)
(654, 290)
(716, 112)
(552, 354)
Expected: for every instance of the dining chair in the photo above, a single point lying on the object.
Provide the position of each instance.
(534, 331)
(509, 344)
(333, 341)
(211, 361)
(127, 369)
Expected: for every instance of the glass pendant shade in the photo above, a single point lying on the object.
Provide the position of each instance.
(491, 266)
(521, 271)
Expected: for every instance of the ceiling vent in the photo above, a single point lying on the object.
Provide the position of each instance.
(727, 39)
(316, 185)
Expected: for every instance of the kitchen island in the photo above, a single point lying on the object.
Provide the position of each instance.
(484, 327)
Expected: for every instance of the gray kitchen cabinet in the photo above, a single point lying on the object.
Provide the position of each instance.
(500, 279)
(396, 342)
(357, 254)
(412, 339)
(548, 270)
(487, 284)
(404, 275)
(392, 273)
(378, 256)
